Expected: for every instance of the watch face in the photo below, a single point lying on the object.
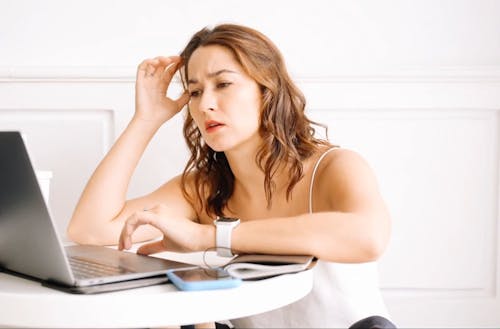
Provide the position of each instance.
(227, 219)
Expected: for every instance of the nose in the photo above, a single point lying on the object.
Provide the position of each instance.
(208, 102)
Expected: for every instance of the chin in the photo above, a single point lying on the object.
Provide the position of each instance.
(219, 147)
(225, 144)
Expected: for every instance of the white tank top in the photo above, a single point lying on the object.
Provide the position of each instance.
(341, 295)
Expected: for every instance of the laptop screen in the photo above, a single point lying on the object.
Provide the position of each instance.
(29, 242)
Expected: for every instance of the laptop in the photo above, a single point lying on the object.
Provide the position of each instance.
(30, 245)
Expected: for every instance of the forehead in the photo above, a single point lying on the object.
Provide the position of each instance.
(212, 58)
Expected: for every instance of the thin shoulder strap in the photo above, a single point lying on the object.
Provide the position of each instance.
(313, 175)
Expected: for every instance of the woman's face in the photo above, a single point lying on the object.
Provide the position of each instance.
(225, 102)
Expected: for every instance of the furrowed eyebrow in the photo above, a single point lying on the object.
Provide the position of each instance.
(212, 75)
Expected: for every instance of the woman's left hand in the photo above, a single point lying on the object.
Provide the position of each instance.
(179, 234)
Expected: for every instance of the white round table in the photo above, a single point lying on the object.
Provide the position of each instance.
(28, 304)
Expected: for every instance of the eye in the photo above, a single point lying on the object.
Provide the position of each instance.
(221, 85)
(195, 93)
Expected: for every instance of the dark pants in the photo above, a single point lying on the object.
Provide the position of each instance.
(217, 326)
(372, 322)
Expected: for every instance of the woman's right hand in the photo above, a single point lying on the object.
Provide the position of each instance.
(153, 78)
(179, 234)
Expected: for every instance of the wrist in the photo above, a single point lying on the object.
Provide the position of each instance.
(207, 238)
(224, 234)
(146, 124)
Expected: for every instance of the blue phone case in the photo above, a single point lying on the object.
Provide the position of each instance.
(221, 280)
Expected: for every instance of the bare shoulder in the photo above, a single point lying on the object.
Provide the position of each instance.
(339, 160)
(344, 176)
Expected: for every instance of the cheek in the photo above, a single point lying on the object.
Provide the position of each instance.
(249, 119)
(253, 111)
(195, 115)
(252, 101)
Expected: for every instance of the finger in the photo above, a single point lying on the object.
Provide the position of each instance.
(182, 100)
(169, 70)
(147, 67)
(128, 229)
(166, 61)
(141, 69)
(136, 220)
(168, 73)
(153, 67)
(151, 248)
(125, 236)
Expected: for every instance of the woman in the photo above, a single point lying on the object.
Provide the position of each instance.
(253, 157)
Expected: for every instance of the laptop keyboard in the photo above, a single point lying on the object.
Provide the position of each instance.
(85, 269)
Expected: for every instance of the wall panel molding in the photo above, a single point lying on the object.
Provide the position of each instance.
(68, 142)
(127, 74)
(428, 160)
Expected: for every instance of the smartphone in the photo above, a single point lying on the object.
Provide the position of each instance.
(197, 278)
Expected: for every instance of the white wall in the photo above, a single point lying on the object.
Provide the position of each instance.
(318, 37)
(412, 85)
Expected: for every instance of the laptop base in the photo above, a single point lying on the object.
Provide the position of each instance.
(108, 287)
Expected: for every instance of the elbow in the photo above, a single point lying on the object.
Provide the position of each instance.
(373, 250)
(366, 241)
(375, 244)
(74, 234)
(359, 249)
(79, 236)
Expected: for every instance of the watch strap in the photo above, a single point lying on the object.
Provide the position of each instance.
(224, 229)
(223, 240)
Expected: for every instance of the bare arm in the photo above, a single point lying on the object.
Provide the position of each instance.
(102, 208)
(352, 224)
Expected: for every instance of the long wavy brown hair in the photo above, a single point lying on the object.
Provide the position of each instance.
(287, 134)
